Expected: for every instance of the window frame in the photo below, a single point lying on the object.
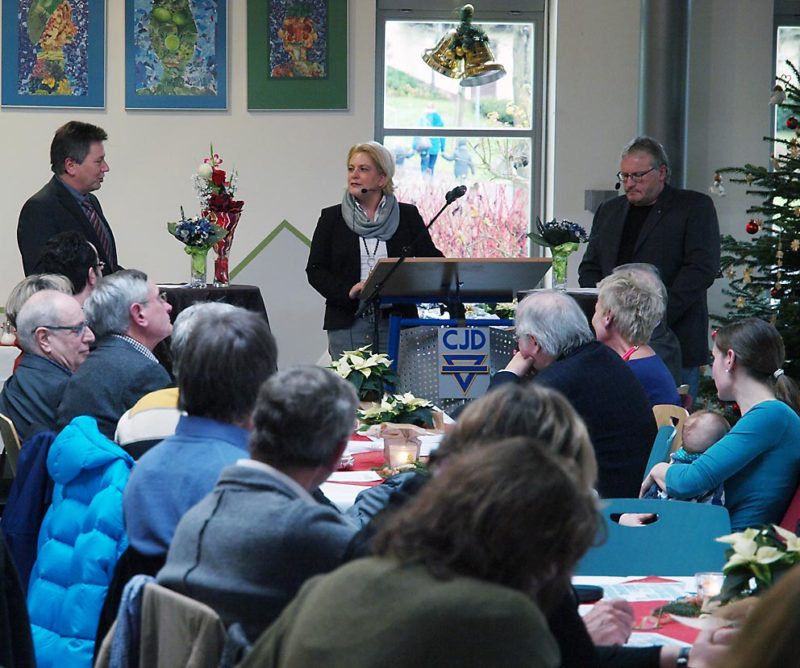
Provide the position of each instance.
(512, 11)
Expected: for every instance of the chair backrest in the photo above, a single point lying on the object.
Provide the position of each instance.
(673, 416)
(11, 444)
(661, 446)
(680, 542)
(791, 518)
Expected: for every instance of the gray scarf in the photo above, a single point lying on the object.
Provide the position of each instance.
(387, 218)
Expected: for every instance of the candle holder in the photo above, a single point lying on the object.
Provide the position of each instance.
(708, 584)
(400, 449)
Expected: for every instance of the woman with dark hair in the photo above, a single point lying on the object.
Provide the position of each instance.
(369, 224)
(461, 576)
(758, 461)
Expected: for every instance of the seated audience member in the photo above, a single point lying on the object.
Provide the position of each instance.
(224, 361)
(463, 574)
(700, 431)
(71, 255)
(23, 290)
(247, 548)
(631, 301)
(129, 318)
(758, 460)
(55, 339)
(556, 344)
(155, 416)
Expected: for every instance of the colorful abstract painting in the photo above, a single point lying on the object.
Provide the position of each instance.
(298, 39)
(53, 53)
(176, 54)
(297, 54)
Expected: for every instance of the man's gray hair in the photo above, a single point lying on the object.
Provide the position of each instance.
(636, 297)
(108, 307)
(653, 148)
(302, 414)
(185, 322)
(44, 310)
(555, 320)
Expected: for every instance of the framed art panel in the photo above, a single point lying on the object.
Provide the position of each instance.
(296, 54)
(176, 54)
(54, 53)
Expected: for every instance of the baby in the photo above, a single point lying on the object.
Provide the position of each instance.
(700, 431)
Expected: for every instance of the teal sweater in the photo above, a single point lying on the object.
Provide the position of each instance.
(758, 462)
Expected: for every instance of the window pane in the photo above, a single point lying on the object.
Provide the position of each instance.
(412, 87)
(493, 218)
(788, 48)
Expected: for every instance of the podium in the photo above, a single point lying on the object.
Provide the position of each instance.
(449, 280)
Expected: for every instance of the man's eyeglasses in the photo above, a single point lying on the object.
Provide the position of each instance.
(75, 329)
(518, 337)
(162, 297)
(100, 266)
(634, 176)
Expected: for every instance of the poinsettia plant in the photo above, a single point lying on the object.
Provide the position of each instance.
(371, 374)
(756, 558)
(400, 409)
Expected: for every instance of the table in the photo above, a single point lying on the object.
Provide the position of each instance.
(645, 594)
(342, 487)
(245, 296)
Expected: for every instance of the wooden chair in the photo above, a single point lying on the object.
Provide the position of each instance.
(11, 444)
(680, 542)
(673, 416)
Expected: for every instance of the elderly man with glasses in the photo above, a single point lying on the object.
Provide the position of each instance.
(130, 318)
(55, 340)
(675, 230)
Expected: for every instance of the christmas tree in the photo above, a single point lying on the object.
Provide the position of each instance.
(764, 271)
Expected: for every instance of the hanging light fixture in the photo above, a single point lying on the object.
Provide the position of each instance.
(464, 53)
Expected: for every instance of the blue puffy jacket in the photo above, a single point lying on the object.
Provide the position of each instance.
(80, 541)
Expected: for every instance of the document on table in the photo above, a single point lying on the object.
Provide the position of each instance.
(354, 476)
(645, 591)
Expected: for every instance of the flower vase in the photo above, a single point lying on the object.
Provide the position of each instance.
(560, 255)
(199, 261)
(227, 220)
(221, 278)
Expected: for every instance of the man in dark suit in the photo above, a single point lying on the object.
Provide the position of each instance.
(78, 162)
(129, 318)
(674, 230)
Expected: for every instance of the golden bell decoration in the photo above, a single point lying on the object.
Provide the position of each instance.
(480, 67)
(443, 57)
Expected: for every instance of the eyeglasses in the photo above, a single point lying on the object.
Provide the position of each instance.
(75, 329)
(635, 176)
(162, 297)
(518, 337)
(100, 265)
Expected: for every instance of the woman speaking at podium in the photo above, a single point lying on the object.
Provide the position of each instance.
(351, 237)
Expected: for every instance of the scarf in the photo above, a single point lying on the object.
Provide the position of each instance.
(383, 227)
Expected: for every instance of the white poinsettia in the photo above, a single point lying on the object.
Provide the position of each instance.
(741, 538)
(791, 540)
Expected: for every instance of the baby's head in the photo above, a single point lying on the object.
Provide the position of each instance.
(702, 429)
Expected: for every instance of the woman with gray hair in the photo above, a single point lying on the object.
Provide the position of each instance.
(630, 303)
(369, 224)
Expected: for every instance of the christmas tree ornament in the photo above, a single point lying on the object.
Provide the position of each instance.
(795, 245)
(779, 255)
(740, 302)
(776, 162)
(730, 273)
(778, 96)
(716, 187)
(752, 226)
(749, 178)
(794, 148)
(776, 291)
(792, 123)
(747, 275)
(796, 211)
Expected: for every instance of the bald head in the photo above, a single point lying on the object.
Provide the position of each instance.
(51, 324)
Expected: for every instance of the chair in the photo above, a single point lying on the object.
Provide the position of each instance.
(11, 444)
(680, 541)
(661, 446)
(791, 518)
(673, 416)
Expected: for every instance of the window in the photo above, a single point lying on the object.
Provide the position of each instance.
(444, 134)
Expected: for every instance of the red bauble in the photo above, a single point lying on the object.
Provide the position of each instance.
(752, 226)
(776, 292)
(792, 123)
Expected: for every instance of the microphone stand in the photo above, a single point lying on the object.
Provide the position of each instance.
(370, 302)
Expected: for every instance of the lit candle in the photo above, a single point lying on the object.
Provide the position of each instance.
(401, 454)
(709, 584)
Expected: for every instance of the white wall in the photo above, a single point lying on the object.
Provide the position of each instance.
(291, 164)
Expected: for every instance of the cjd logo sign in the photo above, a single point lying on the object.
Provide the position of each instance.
(463, 365)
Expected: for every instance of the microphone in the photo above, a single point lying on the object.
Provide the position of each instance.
(364, 191)
(455, 193)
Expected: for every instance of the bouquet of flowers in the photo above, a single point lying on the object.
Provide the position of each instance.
(756, 558)
(216, 189)
(197, 235)
(369, 373)
(562, 238)
(399, 409)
